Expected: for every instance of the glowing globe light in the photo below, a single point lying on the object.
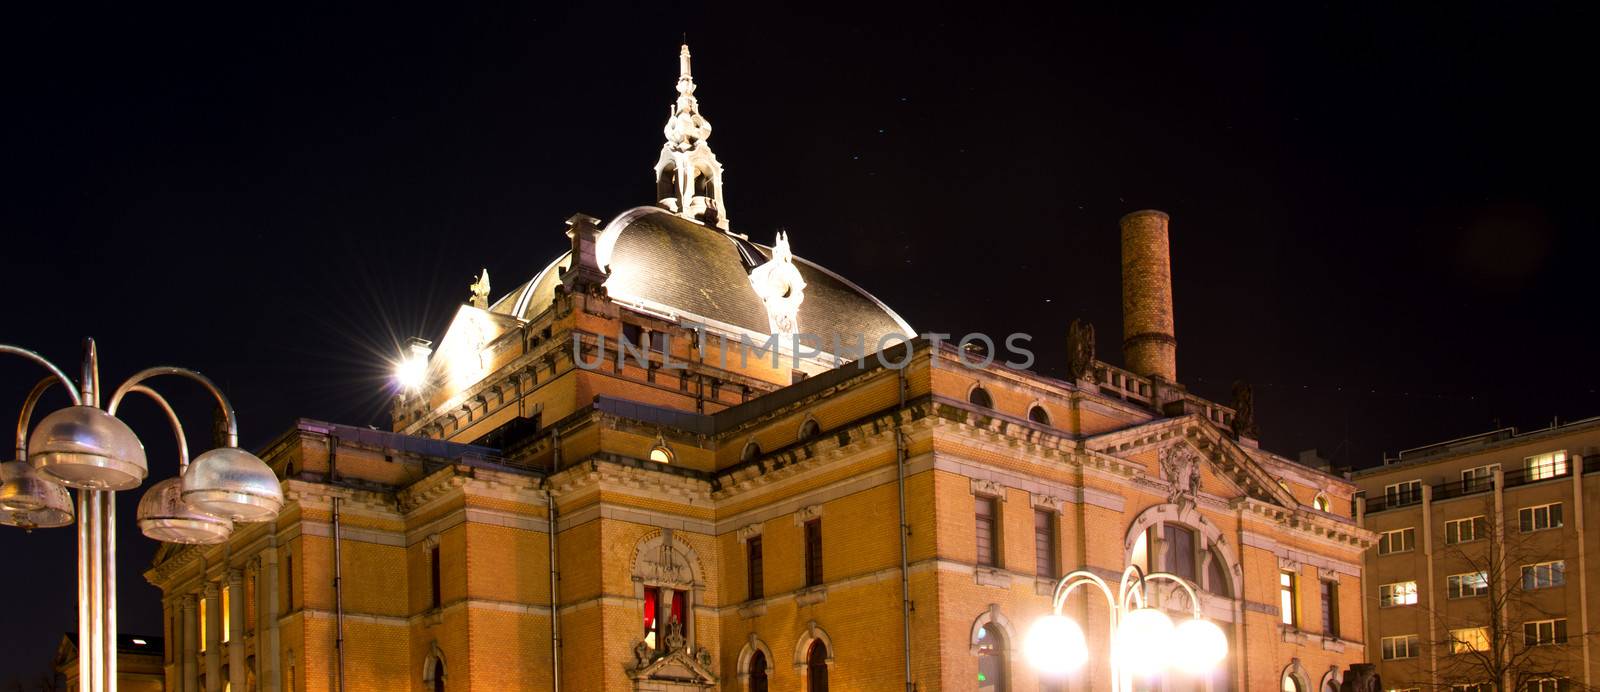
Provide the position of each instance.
(1144, 641)
(1055, 645)
(412, 370)
(1199, 645)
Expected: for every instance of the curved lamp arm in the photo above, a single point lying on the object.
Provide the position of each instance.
(26, 417)
(177, 427)
(72, 390)
(147, 373)
(1078, 578)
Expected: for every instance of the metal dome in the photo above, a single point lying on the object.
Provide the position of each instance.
(84, 447)
(233, 483)
(164, 516)
(29, 501)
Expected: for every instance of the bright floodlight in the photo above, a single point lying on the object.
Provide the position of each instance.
(84, 447)
(1200, 645)
(1055, 645)
(412, 370)
(230, 482)
(1144, 641)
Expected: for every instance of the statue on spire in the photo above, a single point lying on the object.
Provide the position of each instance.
(480, 291)
(688, 176)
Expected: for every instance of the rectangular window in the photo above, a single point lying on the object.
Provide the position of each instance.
(1287, 603)
(1469, 585)
(1180, 551)
(1465, 530)
(813, 552)
(203, 603)
(1400, 593)
(1403, 646)
(752, 577)
(1468, 640)
(1474, 687)
(1330, 608)
(227, 613)
(662, 608)
(1478, 478)
(433, 577)
(1044, 544)
(1550, 685)
(1404, 493)
(658, 341)
(1548, 465)
(1544, 575)
(1541, 632)
(1540, 517)
(288, 583)
(1397, 541)
(986, 521)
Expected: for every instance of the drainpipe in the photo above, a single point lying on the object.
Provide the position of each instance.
(555, 572)
(905, 530)
(338, 574)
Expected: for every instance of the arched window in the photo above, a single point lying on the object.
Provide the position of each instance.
(661, 455)
(433, 673)
(817, 667)
(991, 659)
(1322, 503)
(758, 672)
(1290, 684)
(809, 429)
(751, 451)
(1217, 575)
(1038, 415)
(979, 397)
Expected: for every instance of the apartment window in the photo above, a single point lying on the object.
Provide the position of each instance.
(986, 516)
(1465, 530)
(1286, 599)
(227, 613)
(1540, 517)
(203, 623)
(1469, 585)
(433, 577)
(662, 609)
(1403, 646)
(813, 552)
(1400, 593)
(1544, 575)
(1548, 465)
(1404, 493)
(752, 570)
(1478, 478)
(1541, 632)
(1397, 541)
(1474, 687)
(1180, 551)
(1469, 640)
(1550, 685)
(1330, 608)
(1044, 544)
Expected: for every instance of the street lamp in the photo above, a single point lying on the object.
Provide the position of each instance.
(94, 452)
(1144, 640)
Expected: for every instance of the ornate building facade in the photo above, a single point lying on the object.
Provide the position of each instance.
(677, 459)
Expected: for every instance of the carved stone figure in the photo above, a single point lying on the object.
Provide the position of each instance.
(1080, 351)
(641, 655)
(480, 291)
(1181, 465)
(1244, 411)
(781, 287)
(688, 175)
(675, 640)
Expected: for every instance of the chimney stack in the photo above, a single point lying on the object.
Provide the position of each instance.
(1149, 346)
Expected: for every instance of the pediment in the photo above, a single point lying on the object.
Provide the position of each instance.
(677, 670)
(1222, 460)
(463, 352)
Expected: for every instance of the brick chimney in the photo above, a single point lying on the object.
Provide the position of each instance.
(1149, 346)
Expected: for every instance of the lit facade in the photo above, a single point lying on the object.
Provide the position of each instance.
(682, 511)
(1494, 524)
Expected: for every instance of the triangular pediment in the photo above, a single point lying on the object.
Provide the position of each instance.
(1223, 460)
(678, 667)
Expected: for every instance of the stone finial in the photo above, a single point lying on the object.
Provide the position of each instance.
(480, 291)
(781, 288)
(688, 176)
(584, 275)
(1244, 411)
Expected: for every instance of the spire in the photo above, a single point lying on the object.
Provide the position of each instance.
(688, 176)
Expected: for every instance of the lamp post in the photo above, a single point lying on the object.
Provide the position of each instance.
(1143, 639)
(93, 452)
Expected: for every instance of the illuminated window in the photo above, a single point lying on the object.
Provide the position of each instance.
(1469, 585)
(1542, 632)
(1397, 541)
(1469, 640)
(1291, 684)
(661, 455)
(1287, 601)
(664, 610)
(1321, 503)
(1478, 478)
(1540, 517)
(1544, 575)
(980, 397)
(203, 638)
(1401, 593)
(1465, 530)
(1548, 465)
(1403, 646)
(991, 659)
(227, 614)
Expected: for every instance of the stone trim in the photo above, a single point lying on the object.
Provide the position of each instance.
(745, 533)
(807, 513)
(1047, 502)
(811, 595)
(986, 576)
(988, 488)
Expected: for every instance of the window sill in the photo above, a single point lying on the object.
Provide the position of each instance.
(1045, 587)
(811, 595)
(991, 576)
(1331, 643)
(753, 609)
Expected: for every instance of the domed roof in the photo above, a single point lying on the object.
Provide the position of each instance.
(669, 265)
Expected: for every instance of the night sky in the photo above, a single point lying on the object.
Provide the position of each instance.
(1380, 219)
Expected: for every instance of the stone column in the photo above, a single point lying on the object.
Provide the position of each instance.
(189, 644)
(213, 638)
(235, 652)
(267, 676)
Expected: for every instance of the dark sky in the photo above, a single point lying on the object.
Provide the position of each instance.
(1381, 216)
